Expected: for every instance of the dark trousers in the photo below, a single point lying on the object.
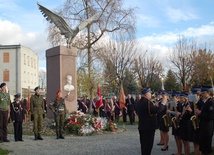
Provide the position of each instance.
(124, 115)
(17, 130)
(131, 116)
(146, 141)
(205, 144)
(3, 124)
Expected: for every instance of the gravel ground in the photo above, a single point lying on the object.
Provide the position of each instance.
(126, 143)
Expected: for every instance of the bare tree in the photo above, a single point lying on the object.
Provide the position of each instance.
(117, 56)
(182, 59)
(148, 69)
(112, 18)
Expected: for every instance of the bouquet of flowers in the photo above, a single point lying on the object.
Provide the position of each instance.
(82, 124)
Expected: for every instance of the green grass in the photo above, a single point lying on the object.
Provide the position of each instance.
(4, 152)
(120, 123)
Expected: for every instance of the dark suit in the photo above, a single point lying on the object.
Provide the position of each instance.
(130, 109)
(206, 127)
(147, 123)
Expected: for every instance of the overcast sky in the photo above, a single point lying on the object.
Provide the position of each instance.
(159, 23)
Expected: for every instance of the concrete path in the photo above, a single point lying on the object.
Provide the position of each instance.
(126, 143)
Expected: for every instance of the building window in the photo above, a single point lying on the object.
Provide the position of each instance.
(24, 59)
(6, 57)
(35, 63)
(6, 76)
(32, 62)
(28, 61)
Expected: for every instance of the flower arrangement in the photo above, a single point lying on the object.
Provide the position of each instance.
(82, 124)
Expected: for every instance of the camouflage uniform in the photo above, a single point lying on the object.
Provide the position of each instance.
(37, 110)
(59, 109)
(4, 104)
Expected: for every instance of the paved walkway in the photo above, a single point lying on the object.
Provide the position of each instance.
(126, 143)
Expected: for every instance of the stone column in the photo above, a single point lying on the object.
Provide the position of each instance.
(61, 61)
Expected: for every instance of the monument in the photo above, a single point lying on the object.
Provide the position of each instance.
(61, 62)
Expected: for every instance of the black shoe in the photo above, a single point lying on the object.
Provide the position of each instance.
(159, 144)
(21, 140)
(36, 136)
(6, 140)
(165, 149)
(62, 137)
(39, 137)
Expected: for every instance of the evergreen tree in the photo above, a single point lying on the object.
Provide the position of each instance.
(170, 82)
(130, 83)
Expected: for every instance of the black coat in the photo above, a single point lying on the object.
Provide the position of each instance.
(16, 113)
(147, 119)
(130, 104)
(206, 118)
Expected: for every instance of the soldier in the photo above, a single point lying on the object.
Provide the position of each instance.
(4, 112)
(37, 110)
(147, 124)
(59, 109)
(17, 117)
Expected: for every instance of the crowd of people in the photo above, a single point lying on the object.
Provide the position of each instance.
(111, 108)
(191, 117)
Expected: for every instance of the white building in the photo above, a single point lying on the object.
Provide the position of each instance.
(18, 68)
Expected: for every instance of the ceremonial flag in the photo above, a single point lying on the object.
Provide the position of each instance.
(99, 102)
(122, 98)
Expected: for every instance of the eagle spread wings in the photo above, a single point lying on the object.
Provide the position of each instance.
(64, 28)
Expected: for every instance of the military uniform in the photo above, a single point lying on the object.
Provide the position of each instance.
(4, 109)
(147, 124)
(37, 110)
(17, 117)
(59, 109)
(206, 126)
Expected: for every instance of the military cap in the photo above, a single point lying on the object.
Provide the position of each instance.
(159, 92)
(18, 95)
(206, 88)
(184, 94)
(2, 85)
(175, 94)
(58, 91)
(196, 90)
(164, 93)
(36, 88)
(146, 90)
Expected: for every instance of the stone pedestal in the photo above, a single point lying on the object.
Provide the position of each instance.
(61, 61)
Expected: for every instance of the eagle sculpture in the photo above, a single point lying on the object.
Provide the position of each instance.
(64, 28)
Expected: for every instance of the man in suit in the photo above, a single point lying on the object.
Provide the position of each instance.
(147, 124)
(130, 108)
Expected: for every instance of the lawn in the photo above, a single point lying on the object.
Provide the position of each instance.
(4, 152)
